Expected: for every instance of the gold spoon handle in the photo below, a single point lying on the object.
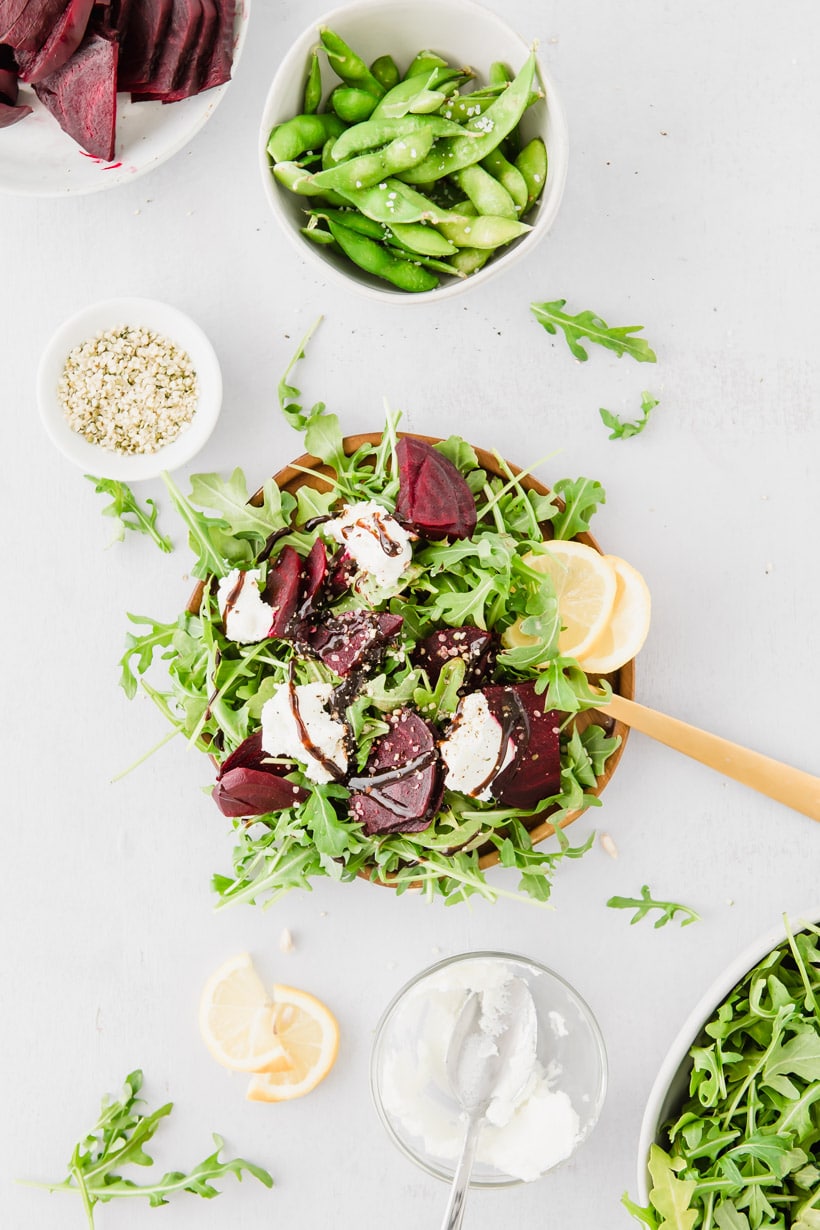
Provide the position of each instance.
(778, 781)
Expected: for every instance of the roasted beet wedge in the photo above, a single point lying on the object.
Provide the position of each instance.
(311, 578)
(64, 39)
(33, 26)
(350, 641)
(282, 590)
(433, 497)
(341, 571)
(477, 647)
(12, 115)
(401, 787)
(247, 784)
(535, 771)
(82, 95)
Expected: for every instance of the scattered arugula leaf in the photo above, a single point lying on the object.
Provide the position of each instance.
(127, 512)
(118, 1138)
(743, 1149)
(645, 903)
(623, 431)
(288, 393)
(581, 497)
(590, 326)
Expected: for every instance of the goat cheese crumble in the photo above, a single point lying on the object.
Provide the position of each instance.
(374, 539)
(297, 723)
(472, 751)
(246, 617)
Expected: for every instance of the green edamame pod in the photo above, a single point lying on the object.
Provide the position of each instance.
(425, 240)
(483, 231)
(508, 176)
(350, 104)
(316, 235)
(304, 132)
(353, 220)
(469, 106)
(375, 132)
(386, 72)
(502, 115)
(377, 260)
(470, 260)
(486, 193)
(499, 74)
(368, 169)
(327, 154)
(313, 85)
(420, 94)
(393, 201)
(424, 62)
(532, 163)
(296, 179)
(348, 65)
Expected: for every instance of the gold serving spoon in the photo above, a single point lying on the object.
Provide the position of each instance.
(782, 782)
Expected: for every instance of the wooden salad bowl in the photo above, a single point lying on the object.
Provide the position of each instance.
(310, 471)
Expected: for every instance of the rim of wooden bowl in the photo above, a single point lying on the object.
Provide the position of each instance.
(310, 471)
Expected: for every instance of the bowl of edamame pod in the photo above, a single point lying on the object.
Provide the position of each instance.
(413, 148)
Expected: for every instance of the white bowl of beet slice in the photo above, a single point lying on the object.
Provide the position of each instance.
(139, 81)
(245, 768)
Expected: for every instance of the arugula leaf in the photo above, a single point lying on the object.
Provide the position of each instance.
(289, 394)
(623, 431)
(119, 1138)
(580, 497)
(645, 903)
(670, 1195)
(127, 512)
(588, 325)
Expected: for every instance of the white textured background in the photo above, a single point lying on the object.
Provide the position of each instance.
(691, 208)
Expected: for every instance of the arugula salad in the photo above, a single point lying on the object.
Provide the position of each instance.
(343, 665)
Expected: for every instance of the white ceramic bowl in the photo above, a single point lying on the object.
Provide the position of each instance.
(570, 1046)
(462, 32)
(163, 319)
(671, 1085)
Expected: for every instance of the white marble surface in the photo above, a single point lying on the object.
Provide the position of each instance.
(691, 208)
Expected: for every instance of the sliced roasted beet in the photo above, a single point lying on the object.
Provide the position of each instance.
(341, 571)
(282, 590)
(82, 95)
(35, 23)
(190, 81)
(141, 47)
(535, 771)
(248, 785)
(433, 496)
(220, 62)
(178, 47)
(8, 76)
(351, 640)
(477, 647)
(10, 13)
(62, 42)
(401, 787)
(12, 115)
(314, 571)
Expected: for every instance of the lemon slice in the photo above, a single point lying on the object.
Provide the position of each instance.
(236, 1019)
(627, 626)
(310, 1035)
(585, 586)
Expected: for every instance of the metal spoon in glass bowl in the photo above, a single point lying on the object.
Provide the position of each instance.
(487, 1059)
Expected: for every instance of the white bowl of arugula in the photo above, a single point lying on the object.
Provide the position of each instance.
(340, 662)
(730, 1135)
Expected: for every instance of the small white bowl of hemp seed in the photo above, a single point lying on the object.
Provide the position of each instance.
(128, 388)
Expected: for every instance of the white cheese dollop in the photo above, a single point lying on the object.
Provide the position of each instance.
(249, 617)
(472, 750)
(281, 735)
(380, 546)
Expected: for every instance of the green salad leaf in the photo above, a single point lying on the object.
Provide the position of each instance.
(118, 1140)
(644, 904)
(211, 690)
(128, 513)
(742, 1151)
(619, 430)
(620, 339)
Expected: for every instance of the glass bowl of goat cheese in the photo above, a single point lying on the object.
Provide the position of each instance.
(128, 388)
(528, 1130)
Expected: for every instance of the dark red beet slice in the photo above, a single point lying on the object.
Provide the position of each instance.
(282, 590)
(10, 12)
(401, 787)
(33, 26)
(8, 76)
(190, 82)
(248, 786)
(474, 645)
(341, 570)
(351, 640)
(535, 771)
(62, 42)
(82, 95)
(12, 115)
(433, 497)
(311, 578)
(141, 47)
(218, 68)
(177, 48)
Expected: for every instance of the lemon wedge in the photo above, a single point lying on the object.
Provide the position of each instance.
(310, 1035)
